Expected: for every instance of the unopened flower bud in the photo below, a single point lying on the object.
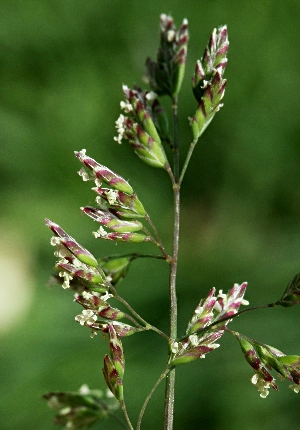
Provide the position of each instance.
(116, 351)
(110, 313)
(123, 237)
(112, 378)
(112, 222)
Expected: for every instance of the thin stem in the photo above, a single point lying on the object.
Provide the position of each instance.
(158, 257)
(270, 305)
(169, 400)
(130, 318)
(173, 269)
(253, 308)
(147, 325)
(169, 170)
(162, 376)
(133, 256)
(176, 141)
(170, 379)
(160, 244)
(192, 147)
(122, 403)
(187, 160)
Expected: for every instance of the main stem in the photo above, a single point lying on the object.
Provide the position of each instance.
(170, 379)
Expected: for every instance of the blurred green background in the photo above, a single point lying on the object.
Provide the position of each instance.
(62, 66)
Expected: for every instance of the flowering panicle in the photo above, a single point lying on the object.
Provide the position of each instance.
(139, 127)
(120, 217)
(166, 74)
(214, 308)
(208, 83)
(263, 359)
(210, 310)
(82, 408)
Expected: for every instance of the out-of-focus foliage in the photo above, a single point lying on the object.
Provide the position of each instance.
(62, 67)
